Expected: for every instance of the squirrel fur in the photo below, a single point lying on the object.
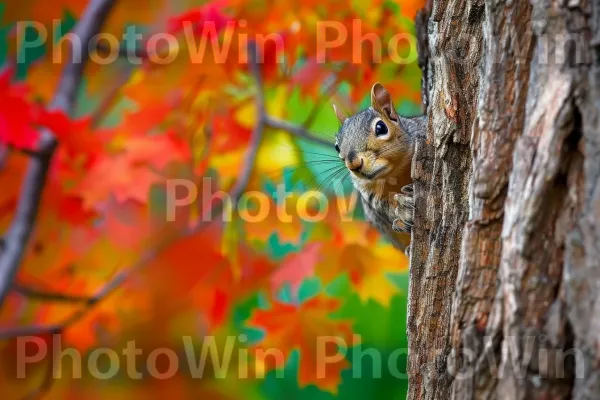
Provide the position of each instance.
(377, 146)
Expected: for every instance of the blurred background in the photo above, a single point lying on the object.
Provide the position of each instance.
(107, 264)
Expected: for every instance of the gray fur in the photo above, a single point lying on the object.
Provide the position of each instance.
(388, 215)
(354, 132)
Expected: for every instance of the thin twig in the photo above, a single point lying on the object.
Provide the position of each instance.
(91, 302)
(48, 295)
(255, 139)
(297, 130)
(26, 152)
(22, 225)
(116, 282)
(114, 93)
(19, 232)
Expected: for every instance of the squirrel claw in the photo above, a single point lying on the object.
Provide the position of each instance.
(399, 226)
(404, 210)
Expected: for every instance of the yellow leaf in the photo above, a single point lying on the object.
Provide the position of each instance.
(277, 152)
(368, 266)
(246, 115)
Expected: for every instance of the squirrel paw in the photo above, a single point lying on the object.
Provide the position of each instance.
(404, 210)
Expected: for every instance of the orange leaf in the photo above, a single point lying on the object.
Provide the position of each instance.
(129, 174)
(309, 328)
(281, 221)
(229, 134)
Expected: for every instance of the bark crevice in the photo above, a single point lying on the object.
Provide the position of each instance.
(508, 203)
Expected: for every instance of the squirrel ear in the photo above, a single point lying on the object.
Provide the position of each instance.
(339, 114)
(381, 101)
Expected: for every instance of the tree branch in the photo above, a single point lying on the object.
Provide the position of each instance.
(297, 130)
(47, 295)
(91, 302)
(236, 192)
(19, 232)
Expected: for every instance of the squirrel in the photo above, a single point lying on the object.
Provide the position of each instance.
(377, 147)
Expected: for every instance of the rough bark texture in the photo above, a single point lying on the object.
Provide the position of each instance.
(505, 262)
(441, 170)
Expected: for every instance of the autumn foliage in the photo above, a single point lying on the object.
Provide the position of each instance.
(104, 265)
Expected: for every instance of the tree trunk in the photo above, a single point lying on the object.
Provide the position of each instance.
(505, 260)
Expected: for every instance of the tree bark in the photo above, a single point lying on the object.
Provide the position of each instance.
(505, 260)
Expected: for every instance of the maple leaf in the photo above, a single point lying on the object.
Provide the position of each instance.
(66, 206)
(281, 220)
(129, 224)
(367, 268)
(79, 143)
(16, 114)
(296, 267)
(354, 248)
(157, 150)
(116, 177)
(128, 174)
(97, 323)
(142, 121)
(95, 207)
(310, 77)
(194, 268)
(229, 283)
(211, 12)
(229, 133)
(309, 328)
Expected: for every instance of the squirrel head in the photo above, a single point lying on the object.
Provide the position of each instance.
(372, 143)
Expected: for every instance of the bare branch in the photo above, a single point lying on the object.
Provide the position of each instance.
(89, 25)
(111, 98)
(47, 295)
(236, 192)
(296, 130)
(27, 152)
(257, 134)
(19, 232)
(91, 302)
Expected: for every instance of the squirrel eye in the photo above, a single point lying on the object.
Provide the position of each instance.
(337, 148)
(380, 128)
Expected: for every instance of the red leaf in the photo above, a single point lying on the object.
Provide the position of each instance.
(198, 17)
(229, 134)
(310, 77)
(16, 114)
(297, 267)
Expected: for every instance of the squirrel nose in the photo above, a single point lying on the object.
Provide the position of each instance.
(354, 164)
